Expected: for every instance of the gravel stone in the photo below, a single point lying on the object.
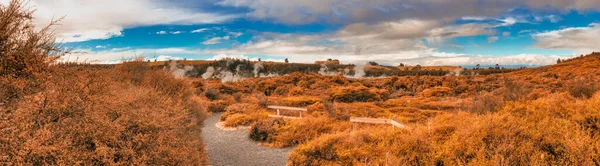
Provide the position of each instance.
(233, 148)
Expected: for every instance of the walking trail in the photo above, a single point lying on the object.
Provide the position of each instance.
(233, 147)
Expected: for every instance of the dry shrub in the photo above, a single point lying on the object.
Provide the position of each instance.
(359, 148)
(362, 110)
(74, 114)
(299, 131)
(265, 130)
(349, 94)
(77, 119)
(485, 103)
(25, 54)
(582, 88)
(218, 106)
(237, 97)
(211, 94)
(238, 120)
(438, 91)
(554, 130)
(295, 101)
(243, 114)
(262, 100)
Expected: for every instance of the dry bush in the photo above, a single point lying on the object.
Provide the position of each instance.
(554, 130)
(211, 94)
(243, 114)
(71, 114)
(237, 97)
(294, 101)
(349, 94)
(265, 130)
(262, 100)
(77, 120)
(582, 88)
(218, 106)
(371, 146)
(485, 103)
(25, 54)
(295, 132)
(438, 91)
(238, 120)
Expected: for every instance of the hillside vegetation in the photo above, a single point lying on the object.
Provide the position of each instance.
(541, 116)
(77, 114)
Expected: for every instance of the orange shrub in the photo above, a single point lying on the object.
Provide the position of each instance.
(295, 132)
(348, 94)
(243, 114)
(555, 130)
(438, 91)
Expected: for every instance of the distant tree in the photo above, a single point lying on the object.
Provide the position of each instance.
(477, 66)
(417, 68)
(401, 64)
(259, 59)
(497, 66)
(558, 61)
(286, 60)
(373, 63)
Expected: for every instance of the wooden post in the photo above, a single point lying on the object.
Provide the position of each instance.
(278, 114)
(300, 114)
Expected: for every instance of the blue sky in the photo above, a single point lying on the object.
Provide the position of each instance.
(426, 32)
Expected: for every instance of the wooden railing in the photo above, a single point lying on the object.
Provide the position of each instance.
(378, 121)
(279, 108)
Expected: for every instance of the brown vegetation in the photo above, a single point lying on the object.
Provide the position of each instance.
(541, 116)
(77, 114)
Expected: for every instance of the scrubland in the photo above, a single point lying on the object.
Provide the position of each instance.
(79, 114)
(541, 116)
(137, 113)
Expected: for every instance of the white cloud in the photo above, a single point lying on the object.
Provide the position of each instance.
(165, 58)
(507, 21)
(492, 39)
(353, 11)
(100, 46)
(117, 55)
(428, 57)
(236, 34)
(525, 31)
(581, 39)
(215, 40)
(103, 19)
(505, 33)
(171, 32)
(200, 30)
(474, 18)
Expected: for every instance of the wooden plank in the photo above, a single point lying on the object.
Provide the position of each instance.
(287, 108)
(398, 124)
(284, 117)
(369, 120)
(379, 121)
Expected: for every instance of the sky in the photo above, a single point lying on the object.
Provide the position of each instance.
(424, 32)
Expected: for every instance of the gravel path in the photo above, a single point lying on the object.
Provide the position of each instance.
(233, 148)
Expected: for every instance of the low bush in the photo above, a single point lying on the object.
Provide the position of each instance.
(438, 91)
(349, 94)
(554, 130)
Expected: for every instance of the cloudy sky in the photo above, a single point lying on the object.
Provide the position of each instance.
(426, 32)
